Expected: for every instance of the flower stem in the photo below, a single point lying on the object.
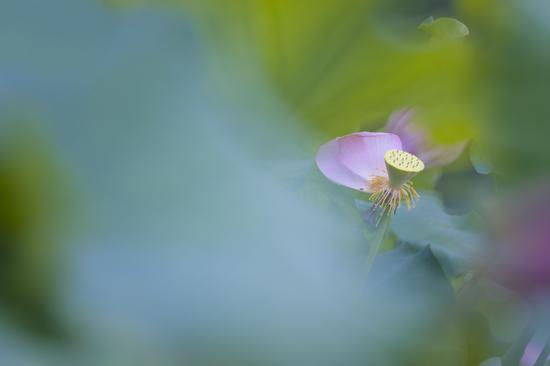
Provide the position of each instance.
(376, 240)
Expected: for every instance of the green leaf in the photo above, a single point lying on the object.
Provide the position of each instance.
(454, 245)
(444, 28)
(411, 286)
(480, 159)
(413, 271)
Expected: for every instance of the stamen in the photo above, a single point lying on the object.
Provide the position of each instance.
(386, 200)
(388, 191)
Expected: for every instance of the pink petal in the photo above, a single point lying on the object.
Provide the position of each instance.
(441, 155)
(413, 138)
(363, 152)
(399, 120)
(330, 165)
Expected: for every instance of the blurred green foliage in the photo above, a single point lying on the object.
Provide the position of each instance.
(191, 127)
(37, 215)
(337, 67)
(341, 65)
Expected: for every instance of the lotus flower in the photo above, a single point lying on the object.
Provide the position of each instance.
(416, 140)
(372, 162)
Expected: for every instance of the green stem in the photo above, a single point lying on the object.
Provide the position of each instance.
(376, 240)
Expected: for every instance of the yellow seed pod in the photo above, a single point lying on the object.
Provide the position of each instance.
(401, 166)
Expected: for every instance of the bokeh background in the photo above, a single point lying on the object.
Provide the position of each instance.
(160, 204)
